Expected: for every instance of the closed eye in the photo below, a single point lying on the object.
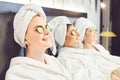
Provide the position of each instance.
(48, 28)
(40, 29)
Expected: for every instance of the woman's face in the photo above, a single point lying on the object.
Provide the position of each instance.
(90, 35)
(72, 37)
(38, 34)
(113, 77)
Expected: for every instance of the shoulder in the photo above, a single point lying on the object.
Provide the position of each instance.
(15, 72)
(50, 57)
(22, 68)
(100, 47)
(52, 60)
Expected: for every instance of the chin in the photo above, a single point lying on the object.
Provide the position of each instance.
(48, 45)
(78, 42)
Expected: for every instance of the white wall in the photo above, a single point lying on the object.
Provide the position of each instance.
(94, 14)
(77, 5)
(87, 6)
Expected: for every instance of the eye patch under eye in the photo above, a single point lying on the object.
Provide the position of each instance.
(93, 30)
(40, 30)
(73, 33)
(48, 28)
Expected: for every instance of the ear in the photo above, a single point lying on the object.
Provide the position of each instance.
(26, 41)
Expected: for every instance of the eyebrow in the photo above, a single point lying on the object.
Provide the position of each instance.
(38, 26)
(73, 30)
(46, 25)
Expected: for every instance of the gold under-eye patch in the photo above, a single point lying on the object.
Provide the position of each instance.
(92, 30)
(40, 30)
(73, 33)
(48, 28)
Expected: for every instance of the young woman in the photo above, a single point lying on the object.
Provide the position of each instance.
(80, 66)
(101, 57)
(32, 33)
(89, 35)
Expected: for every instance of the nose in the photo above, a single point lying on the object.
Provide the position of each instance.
(46, 32)
(95, 32)
(78, 34)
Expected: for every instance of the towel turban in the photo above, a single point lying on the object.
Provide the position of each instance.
(81, 24)
(22, 20)
(59, 26)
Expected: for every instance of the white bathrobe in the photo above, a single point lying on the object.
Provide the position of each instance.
(101, 49)
(88, 64)
(80, 65)
(24, 68)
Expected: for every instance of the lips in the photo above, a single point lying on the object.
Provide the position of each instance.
(46, 38)
(78, 38)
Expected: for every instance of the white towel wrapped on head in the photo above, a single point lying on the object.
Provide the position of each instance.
(22, 20)
(57, 21)
(59, 26)
(81, 24)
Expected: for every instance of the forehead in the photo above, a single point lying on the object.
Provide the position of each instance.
(71, 27)
(90, 28)
(37, 20)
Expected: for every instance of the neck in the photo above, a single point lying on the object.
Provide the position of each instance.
(35, 54)
(88, 46)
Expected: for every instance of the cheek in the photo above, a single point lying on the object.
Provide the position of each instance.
(71, 39)
(89, 35)
(34, 38)
(93, 35)
(51, 36)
